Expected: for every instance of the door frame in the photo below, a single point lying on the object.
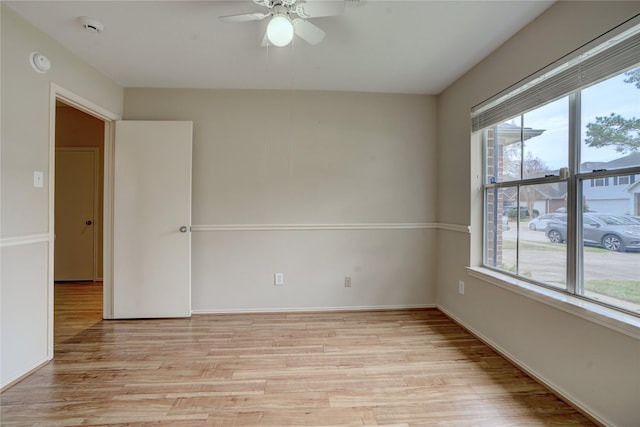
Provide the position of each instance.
(58, 93)
(96, 185)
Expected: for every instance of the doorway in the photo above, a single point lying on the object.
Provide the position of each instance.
(78, 210)
(61, 97)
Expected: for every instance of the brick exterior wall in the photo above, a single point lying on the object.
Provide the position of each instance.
(494, 201)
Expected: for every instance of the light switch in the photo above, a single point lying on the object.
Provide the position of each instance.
(38, 179)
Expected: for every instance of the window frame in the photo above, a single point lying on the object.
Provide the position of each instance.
(575, 179)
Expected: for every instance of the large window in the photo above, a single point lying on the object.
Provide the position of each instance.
(562, 178)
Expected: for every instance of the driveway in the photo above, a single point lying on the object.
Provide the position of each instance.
(546, 261)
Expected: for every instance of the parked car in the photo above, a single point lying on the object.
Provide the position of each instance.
(510, 211)
(612, 232)
(540, 223)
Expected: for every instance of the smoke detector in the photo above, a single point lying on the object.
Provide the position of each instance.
(91, 24)
(39, 62)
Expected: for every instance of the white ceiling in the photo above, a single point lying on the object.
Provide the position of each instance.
(380, 46)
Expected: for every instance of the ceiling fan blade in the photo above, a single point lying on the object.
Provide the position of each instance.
(307, 31)
(319, 8)
(245, 17)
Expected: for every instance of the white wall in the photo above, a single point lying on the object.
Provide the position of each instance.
(322, 159)
(596, 367)
(24, 290)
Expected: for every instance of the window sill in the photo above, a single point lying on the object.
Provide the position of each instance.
(604, 316)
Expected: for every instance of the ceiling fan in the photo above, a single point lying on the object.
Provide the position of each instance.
(289, 17)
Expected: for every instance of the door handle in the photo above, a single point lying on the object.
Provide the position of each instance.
(88, 222)
(183, 229)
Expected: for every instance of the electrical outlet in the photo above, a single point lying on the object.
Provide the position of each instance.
(461, 287)
(278, 279)
(347, 282)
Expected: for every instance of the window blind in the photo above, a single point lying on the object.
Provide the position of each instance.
(617, 54)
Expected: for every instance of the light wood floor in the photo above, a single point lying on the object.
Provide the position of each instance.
(391, 368)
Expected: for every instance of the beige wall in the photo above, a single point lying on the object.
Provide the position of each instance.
(25, 98)
(303, 157)
(25, 117)
(314, 158)
(77, 129)
(596, 367)
(319, 158)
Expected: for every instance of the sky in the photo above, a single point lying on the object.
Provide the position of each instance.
(610, 96)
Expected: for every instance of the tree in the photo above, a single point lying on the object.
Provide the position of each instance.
(511, 161)
(532, 167)
(634, 77)
(615, 130)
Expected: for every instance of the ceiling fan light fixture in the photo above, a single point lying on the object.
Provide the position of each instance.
(280, 30)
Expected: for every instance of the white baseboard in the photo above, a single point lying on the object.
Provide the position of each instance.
(17, 378)
(561, 393)
(312, 309)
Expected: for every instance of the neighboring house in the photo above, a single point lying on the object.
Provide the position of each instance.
(552, 197)
(619, 194)
(546, 197)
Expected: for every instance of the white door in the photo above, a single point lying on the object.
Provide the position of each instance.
(75, 204)
(152, 219)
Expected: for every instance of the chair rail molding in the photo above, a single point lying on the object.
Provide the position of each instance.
(24, 239)
(336, 226)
